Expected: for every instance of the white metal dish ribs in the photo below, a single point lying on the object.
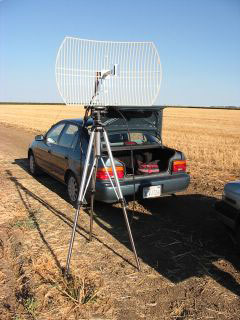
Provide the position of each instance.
(130, 72)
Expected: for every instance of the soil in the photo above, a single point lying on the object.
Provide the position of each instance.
(189, 265)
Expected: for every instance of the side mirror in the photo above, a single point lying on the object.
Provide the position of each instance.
(51, 141)
(39, 137)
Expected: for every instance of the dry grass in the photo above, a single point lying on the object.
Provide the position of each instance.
(37, 117)
(103, 285)
(210, 137)
(210, 140)
(33, 254)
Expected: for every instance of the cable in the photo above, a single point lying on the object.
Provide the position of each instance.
(58, 114)
(85, 118)
(132, 163)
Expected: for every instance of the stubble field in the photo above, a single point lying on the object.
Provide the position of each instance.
(190, 269)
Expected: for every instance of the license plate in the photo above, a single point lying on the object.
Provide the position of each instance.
(152, 192)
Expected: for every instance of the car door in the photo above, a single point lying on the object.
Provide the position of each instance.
(61, 151)
(43, 152)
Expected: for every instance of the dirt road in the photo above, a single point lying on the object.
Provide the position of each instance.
(14, 141)
(190, 269)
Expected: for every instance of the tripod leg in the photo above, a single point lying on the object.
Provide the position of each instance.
(80, 201)
(121, 199)
(93, 191)
(72, 240)
(130, 232)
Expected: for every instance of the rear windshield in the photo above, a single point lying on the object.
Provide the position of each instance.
(138, 120)
(131, 138)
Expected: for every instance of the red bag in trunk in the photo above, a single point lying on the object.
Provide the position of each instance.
(147, 168)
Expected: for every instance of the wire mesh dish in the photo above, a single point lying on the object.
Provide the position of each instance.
(129, 72)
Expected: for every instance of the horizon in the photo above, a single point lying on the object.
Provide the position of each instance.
(155, 105)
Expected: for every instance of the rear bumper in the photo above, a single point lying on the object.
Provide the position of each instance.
(227, 214)
(170, 184)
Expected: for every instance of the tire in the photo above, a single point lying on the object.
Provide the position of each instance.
(72, 189)
(33, 168)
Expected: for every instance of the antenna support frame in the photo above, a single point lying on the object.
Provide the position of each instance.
(133, 73)
(95, 143)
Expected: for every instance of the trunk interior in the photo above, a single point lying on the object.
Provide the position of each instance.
(160, 156)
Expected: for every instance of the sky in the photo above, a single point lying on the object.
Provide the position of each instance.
(198, 42)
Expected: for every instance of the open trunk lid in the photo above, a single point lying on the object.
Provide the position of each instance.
(133, 119)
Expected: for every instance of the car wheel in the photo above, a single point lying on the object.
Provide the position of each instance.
(72, 189)
(33, 168)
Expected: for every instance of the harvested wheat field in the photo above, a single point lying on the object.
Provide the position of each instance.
(190, 267)
(36, 117)
(210, 140)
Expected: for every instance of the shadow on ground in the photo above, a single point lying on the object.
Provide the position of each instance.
(179, 237)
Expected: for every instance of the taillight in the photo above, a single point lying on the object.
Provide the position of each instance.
(179, 166)
(102, 173)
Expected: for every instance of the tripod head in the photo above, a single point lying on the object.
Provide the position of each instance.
(95, 112)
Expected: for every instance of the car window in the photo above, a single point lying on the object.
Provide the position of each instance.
(75, 140)
(54, 133)
(80, 144)
(69, 136)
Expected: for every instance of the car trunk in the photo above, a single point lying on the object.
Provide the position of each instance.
(147, 120)
(133, 159)
(132, 120)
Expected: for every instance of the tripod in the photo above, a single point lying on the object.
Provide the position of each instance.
(95, 143)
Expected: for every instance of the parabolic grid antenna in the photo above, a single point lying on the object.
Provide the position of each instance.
(107, 73)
